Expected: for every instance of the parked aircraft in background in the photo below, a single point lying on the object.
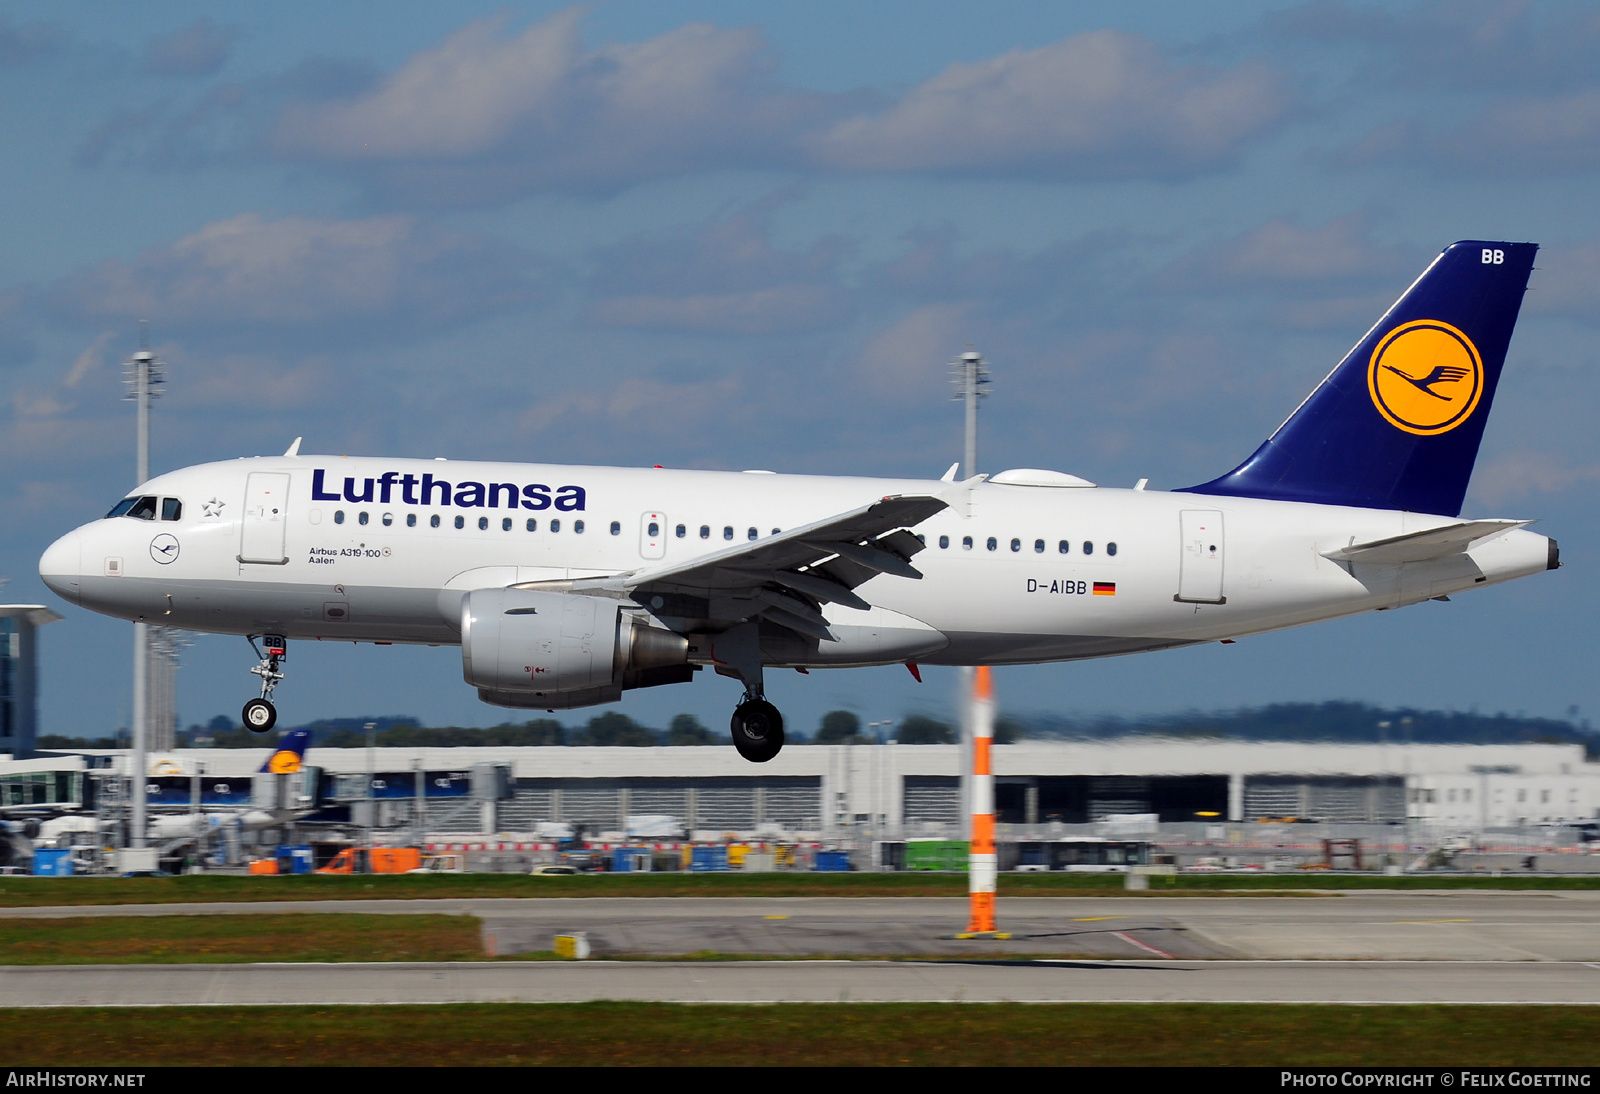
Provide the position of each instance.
(565, 586)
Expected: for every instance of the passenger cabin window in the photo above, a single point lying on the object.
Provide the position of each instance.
(1088, 547)
(577, 527)
(555, 526)
(751, 535)
(654, 529)
(388, 519)
(944, 543)
(171, 509)
(505, 524)
(411, 520)
(1064, 547)
(483, 524)
(1038, 546)
(461, 522)
(361, 518)
(433, 521)
(966, 543)
(705, 531)
(1111, 548)
(680, 531)
(338, 516)
(993, 543)
(616, 528)
(1016, 545)
(727, 532)
(533, 525)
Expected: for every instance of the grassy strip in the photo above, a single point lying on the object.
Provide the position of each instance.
(31, 892)
(789, 1035)
(120, 940)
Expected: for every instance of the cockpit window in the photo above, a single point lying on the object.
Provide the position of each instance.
(142, 508)
(171, 509)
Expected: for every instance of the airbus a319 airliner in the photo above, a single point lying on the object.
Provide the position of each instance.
(566, 586)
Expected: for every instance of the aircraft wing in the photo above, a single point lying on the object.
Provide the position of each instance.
(1452, 539)
(785, 578)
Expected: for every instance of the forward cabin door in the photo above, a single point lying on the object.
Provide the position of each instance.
(266, 516)
(652, 535)
(1200, 564)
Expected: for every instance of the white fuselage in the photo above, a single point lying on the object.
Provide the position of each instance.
(1187, 567)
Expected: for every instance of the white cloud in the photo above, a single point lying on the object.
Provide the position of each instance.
(200, 49)
(489, 114)
(250, 271)
(1103, 104)
(1515, 476)
(534, 110)
(721, 277)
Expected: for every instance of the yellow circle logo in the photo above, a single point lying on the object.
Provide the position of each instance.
(1425, 377)
(283, 762)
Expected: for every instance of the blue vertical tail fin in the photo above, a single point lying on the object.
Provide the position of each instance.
(1397, 424)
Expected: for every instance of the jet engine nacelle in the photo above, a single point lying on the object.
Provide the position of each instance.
(522, 648)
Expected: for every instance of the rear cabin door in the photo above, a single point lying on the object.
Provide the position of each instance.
(652, 535)
(266, 515)
(1200, 563)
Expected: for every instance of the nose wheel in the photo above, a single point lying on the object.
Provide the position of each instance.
(260, 715)
(757, 729)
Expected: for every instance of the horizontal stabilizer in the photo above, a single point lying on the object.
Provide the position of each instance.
(1452, 539)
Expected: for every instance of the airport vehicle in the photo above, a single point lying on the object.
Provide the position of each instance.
(565, 586)
(546, 869)
(441, 864)
(374, 860)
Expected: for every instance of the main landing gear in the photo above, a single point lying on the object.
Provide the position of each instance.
(757, 729)
(259, 714)
(756, 725)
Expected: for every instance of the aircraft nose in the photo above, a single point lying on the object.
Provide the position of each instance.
(61, 566)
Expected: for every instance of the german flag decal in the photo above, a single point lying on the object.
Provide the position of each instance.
(1105, 588)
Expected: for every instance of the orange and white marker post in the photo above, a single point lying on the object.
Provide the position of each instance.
(982, 862)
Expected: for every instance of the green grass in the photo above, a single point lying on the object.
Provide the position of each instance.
(789, 1035)
(119, 940)
(30, 892)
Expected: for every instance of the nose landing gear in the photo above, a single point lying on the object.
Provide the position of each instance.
(259, 714)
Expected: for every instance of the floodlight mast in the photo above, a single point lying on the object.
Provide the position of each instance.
(144, 377)
(971, 381)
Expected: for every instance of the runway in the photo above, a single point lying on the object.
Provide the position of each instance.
(1359, 982)
(1476, 925)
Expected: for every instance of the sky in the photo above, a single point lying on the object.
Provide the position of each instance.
(720, 235)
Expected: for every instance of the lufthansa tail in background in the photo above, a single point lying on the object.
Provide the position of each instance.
(566, 586)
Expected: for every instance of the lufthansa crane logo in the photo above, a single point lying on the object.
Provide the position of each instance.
(164, 548)
(1425, 377)
(284, 762)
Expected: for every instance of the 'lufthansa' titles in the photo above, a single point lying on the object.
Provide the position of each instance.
(427, 490)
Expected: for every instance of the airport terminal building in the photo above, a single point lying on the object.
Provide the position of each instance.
(894, 791)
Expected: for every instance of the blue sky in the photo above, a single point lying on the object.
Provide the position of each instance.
(754, 235)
